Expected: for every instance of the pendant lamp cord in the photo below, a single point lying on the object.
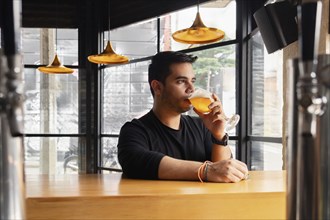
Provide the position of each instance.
(56, 41)
(56, 25)
(109, 20)
(197, 5)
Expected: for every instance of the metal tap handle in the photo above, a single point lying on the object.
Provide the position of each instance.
(309, 15)
(15, 98)
(10, 11)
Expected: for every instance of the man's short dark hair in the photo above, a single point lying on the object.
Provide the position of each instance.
(159, 69)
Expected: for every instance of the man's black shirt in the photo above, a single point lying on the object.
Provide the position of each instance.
(145, 141)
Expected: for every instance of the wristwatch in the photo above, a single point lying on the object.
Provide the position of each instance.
(223, 142)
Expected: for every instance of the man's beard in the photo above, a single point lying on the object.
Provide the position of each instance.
(174, 104)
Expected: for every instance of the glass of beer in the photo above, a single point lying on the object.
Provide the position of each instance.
(201, 99)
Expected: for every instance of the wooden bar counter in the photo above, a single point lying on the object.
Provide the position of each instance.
(109, 196)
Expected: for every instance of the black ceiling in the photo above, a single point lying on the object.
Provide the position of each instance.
(68, 13)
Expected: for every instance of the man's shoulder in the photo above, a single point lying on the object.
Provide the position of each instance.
(139, 122)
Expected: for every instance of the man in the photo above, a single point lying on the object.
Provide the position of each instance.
(164, 144)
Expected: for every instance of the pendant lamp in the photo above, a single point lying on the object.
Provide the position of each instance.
(108, 56)
(55, 67)
(198, 33)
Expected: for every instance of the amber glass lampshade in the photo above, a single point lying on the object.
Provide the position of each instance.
(198, 33)
(108, 56)
(55, 67)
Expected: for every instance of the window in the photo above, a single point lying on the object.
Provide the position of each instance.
(266, 155)
(51, 155)
(31, 45)
(266, 106)
(215, 71)
(51, 104)
(135, 41)
(126, 95)
(266, 90)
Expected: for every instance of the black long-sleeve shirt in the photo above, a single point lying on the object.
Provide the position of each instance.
(145, 141)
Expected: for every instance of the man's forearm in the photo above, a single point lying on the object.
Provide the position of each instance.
(227, 170)
(175, 169)
(220, 152)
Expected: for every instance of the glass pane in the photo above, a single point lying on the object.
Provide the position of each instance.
(51, 104)
(136, 40)
(233, 147)
(266, 90)
(216, 14)
(110, 153)
(65, 39)
(67, 46)
(31, 45)
(56, 155)
(215, 71)
(126, 95)
(266, 156)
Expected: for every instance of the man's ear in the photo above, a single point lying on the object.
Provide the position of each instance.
(156, 86)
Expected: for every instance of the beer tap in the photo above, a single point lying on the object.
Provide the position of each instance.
(12, 190)
(311, 106)
(309, 19)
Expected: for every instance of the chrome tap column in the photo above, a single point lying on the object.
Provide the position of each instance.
(12, 190)
(308, 139)
(292, 151)
(323, 75)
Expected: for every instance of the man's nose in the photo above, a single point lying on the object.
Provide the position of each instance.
(191, 88)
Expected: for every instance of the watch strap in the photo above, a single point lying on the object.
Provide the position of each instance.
(223, 142)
